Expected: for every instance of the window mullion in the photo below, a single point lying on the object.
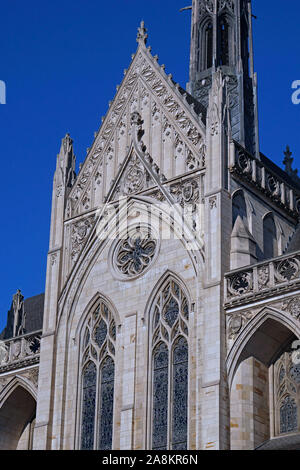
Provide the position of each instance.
(170, 398)
(97, 420)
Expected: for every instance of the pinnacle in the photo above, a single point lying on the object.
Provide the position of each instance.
(142, 34)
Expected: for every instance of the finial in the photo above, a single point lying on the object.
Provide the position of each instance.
(142, 34)
(288, 162)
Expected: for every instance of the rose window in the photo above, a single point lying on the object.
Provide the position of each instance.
(133, 255)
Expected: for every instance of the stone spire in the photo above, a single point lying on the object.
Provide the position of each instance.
(221, 38)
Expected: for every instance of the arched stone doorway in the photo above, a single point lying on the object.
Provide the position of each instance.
(255, 409)
(17, 418)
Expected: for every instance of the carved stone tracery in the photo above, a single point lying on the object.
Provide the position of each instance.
(79, 233)
(134, 178)
(134, 254)
(167, 99)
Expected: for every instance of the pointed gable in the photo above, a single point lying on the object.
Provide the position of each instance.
(174, 132)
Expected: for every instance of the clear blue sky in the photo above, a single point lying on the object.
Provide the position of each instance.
(61, 61)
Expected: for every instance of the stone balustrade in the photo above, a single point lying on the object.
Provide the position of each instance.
(20, 351)
(257, 174)
(262, 279)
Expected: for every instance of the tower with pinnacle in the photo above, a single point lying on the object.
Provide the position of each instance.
(221, 38)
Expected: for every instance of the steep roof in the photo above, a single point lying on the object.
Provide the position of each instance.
(34, 310)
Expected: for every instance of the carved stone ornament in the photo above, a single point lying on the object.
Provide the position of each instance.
(240, 284)
(186, 192)
(292, 306)
(226, 4)
(206, 6)
(53, 258)
(134, 177)
(288, 269)
(244, 163)
(79, 234)
(31, 374)
(260, 281)
(196, 160)
(212, 202)
(263, 277)
(253, 171)
(135, 253)
(236, 322)
(166, 96)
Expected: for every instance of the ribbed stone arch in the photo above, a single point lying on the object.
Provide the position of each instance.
(17, 411)
(95, 246)
(252, 340)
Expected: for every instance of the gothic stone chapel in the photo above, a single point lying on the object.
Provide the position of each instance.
(179, 330)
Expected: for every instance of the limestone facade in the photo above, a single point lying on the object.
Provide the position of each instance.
(120, 257)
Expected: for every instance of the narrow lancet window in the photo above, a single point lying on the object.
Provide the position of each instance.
(270, 237)
(88, 406)
(209, 45)
(224, 40)
(98, 375)
(169, 409)
(239, 208)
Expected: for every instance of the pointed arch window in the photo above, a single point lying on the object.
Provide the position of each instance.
(205, 45)
(97, 380)
(270, 237)
(287, 394)
(169, 407)
(225, 40)
(208, 45)
(239, 207)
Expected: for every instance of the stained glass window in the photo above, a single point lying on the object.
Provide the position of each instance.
(288, 415)
(88, 408)
(160, 397)
(170, 368)
(98, 373)
(180, 397)
(106, 404)
(287, 393)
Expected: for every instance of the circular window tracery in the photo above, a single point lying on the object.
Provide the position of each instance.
(133, 254)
